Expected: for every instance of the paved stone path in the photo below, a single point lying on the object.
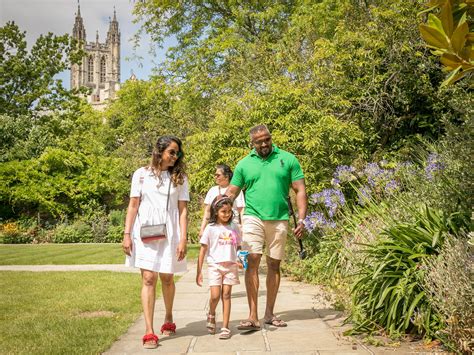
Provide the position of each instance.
(314, 327)
(312, 324)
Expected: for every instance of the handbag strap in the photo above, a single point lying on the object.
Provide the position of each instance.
(168, 198)
(142, 178)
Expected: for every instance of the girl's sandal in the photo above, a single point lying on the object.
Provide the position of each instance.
(168, 328)
(225, 333)
(150, 341)
(211, 327)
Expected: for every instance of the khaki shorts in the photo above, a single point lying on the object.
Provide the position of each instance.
(226, 273)
(257, 233)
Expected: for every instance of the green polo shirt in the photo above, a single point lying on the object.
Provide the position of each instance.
(267, 183)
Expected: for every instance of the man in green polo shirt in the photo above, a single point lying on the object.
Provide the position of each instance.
(266, 175)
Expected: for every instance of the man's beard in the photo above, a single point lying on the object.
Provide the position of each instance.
(265, 152)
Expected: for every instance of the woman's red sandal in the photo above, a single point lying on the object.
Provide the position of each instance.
(169, 328)
(150, 341)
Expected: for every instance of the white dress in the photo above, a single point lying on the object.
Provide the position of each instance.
(160, 255)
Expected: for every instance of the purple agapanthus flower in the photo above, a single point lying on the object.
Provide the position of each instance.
(376, 175)
(391, 187)
(343, 173)
(331, 198)
(372, 171)
(433, 166)
(317, 220)
(364, 194)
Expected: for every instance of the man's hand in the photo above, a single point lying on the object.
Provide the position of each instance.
(299, 230)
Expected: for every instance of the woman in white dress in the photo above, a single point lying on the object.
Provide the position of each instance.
(222, 176)
(159, 194)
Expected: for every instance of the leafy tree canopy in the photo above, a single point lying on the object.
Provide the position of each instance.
(27, 83)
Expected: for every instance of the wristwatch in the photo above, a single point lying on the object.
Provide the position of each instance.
(301, 221)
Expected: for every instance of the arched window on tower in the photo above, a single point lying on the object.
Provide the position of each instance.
(90, 70)
(102, 70)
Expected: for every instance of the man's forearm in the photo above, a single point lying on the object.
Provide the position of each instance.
(301, 204)
(232, 192)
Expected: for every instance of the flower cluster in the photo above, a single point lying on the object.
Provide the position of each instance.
(433, 165)
(317, 220)
(343, 173)
(391, 187)
(376, 175)
(331, 198)
(364, 194)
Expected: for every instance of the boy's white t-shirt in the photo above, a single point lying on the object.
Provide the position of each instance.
(222, 242)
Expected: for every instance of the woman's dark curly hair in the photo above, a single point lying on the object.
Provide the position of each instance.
(177, 171)
(216, 205)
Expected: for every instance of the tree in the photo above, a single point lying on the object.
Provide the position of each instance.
(27, 83)
(72, 174)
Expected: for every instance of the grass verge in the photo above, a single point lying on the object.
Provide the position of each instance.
(68, 254)
(66, 312)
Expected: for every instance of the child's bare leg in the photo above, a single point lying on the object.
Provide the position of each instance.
(213, 301)
(226, 295)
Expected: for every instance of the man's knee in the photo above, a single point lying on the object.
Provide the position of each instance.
(254, 259)
(273, 264)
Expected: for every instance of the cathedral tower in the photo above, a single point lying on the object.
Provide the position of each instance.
(100, 67)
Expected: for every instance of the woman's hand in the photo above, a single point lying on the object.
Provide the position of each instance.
(127, 244)
(199, 279)
(181, 249)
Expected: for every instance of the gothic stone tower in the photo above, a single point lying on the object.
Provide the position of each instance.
(100, 68)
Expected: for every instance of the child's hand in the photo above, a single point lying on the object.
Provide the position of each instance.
(199, 279)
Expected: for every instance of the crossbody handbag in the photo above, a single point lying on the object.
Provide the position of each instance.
(149, 233)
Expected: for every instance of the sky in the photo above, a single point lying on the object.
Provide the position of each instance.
(38, 17)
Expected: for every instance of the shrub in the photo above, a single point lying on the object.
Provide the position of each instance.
(388, 290)
(117, 217)
(11, 233)
(114, 234)
(449, 290)
(99, 224)
(78, 232)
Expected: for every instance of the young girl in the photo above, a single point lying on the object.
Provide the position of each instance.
(220, 241)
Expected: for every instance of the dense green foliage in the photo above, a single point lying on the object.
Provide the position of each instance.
(359, 82)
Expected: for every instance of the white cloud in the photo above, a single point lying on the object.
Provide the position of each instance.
(37, 17)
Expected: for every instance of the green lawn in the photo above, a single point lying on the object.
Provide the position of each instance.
(68, 254)
(66, 312)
